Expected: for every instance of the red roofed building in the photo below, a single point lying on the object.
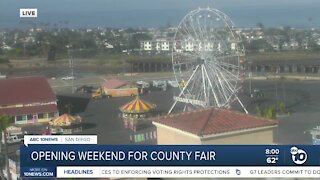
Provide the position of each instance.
(27, 99)
(114, 84)
(214, 126)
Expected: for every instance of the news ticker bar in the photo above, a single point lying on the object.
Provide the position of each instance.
(178, 172)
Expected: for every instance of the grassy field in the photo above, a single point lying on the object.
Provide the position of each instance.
(284, 56)
(118, 63)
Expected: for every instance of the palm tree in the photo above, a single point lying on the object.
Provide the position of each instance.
(4, 123)
(260, 25)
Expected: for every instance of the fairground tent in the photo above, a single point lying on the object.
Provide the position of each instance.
(64, 120)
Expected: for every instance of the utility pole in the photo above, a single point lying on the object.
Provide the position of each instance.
(250, 75)
(284, 93)
(250, 83)
(70, 53)
(24, 48)
(277, 100)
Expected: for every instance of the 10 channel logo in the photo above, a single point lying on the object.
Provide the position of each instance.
(298, 156)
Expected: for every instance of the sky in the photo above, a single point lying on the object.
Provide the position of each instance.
(157, 13)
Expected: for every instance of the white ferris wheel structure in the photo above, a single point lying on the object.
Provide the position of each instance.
(207, 53)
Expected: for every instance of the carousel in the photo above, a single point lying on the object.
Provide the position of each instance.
(65, 124)
(135, 112)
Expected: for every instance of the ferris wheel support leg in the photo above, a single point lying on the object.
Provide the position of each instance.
(185, 107)
(212, 89)
(184, 88)
(204, 82)
(244, 108)
(173, 105)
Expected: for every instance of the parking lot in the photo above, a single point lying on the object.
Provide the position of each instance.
(101, 116)
(301, 99)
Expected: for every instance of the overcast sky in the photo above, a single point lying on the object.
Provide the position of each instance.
(146, 12)
(124, 5)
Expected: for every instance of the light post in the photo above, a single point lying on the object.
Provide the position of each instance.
(71, 69)
(276, 86)
(284, 93)
(250, 75)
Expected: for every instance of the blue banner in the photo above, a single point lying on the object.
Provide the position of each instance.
(38, 172)
(51, 156)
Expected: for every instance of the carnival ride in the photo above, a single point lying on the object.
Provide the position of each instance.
(207, 55)
(64, 124)
(136, 111)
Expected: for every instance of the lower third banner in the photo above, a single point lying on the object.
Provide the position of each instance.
(169, 161)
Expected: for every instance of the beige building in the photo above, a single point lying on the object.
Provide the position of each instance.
(214, 126)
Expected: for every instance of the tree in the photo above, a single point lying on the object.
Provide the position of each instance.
(314, 45)
(270, 112)
(52, 53)
(258, 44)
(287, 33)
(4, 123)
(260, 25)
(134, 42)
(258, 111)
(282, 108)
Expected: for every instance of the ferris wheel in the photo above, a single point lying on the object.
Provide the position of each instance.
(206, 59)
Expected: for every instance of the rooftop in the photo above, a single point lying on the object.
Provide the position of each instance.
(137, 105)
(213, 121)
(25, 90)
(114, 84)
